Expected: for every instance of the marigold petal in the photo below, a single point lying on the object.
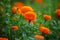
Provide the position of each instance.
(44, 30)
(25, 9)
(30, 16)
(18, 4)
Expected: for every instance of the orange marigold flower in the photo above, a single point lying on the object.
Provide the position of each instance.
(16, 10)
(14, 27)
(25, 9)
(39, 37)
(3, 38)
(18, 4)
(44, 30)
(47, 17)
(58, 12)
(30, 16)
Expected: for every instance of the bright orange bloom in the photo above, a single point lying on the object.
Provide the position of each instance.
(58, 12)
(39, 37)
(3, 38)
(30, 16)
(25, 9)
(44, 30)
(18, 4)
(16, 10)
(47, 17)
(14, 27)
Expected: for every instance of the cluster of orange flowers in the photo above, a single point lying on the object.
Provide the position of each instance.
(29, 14)
(26, 11)
(43, 30)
